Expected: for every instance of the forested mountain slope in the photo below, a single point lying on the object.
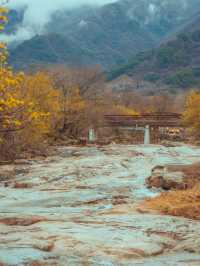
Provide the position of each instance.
(175, 63)
(108, 35)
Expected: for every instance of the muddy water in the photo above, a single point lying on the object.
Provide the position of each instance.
(79, 208)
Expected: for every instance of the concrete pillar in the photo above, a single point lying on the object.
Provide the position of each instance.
(91, 135)
(147, 137)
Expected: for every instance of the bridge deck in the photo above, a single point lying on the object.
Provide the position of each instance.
(153, 120)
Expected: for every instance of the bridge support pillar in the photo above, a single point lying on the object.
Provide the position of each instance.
(147, 135)
(92, 135)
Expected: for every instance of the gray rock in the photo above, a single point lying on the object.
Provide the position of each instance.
(162, 177)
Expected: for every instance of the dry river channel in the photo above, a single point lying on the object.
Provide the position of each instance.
(80, 207)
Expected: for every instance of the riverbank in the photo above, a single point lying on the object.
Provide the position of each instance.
(183, 184)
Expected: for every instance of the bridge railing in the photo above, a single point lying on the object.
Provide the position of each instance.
(153, 119)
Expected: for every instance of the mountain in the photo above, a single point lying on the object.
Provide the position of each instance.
(175, 63)
(106, 35)
(48, 49)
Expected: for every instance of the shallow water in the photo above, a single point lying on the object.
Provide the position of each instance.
(86, 200)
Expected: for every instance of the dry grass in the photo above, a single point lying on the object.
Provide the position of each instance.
(184, 203)
(191, 173)
(178, 203)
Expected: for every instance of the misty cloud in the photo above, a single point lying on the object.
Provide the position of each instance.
(152, 9)
(38, 13)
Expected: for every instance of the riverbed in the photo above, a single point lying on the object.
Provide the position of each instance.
(80, 207)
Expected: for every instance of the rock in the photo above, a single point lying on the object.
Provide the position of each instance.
(45, 178)
(167, 143)
(7, 172)
(22, 162)
(162, 177)
(37, 263)
(191, 243)
(14, 221)
(44, 246)
(45, 262)
(21, 170)
(119, 200)
(21, 185)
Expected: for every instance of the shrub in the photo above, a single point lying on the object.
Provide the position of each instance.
(169, 56)
(183, 78)
(152, 77)
(192, 113)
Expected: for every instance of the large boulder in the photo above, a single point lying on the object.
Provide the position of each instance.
(162, 177)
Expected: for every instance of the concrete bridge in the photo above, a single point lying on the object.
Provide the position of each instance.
(150, 119)
(145, 122)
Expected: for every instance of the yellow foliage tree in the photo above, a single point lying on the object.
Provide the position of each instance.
(44, 106)
(192, 113)
(29, 105)
(11, 104)
(126, 110)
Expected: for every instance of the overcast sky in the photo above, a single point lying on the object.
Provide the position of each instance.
(38, 13)
(40, 10)
(46, 6)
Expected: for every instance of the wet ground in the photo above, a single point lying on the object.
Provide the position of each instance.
(79, 207)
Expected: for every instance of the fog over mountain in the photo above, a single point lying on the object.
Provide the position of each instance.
(107, 33)
(38, 13)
